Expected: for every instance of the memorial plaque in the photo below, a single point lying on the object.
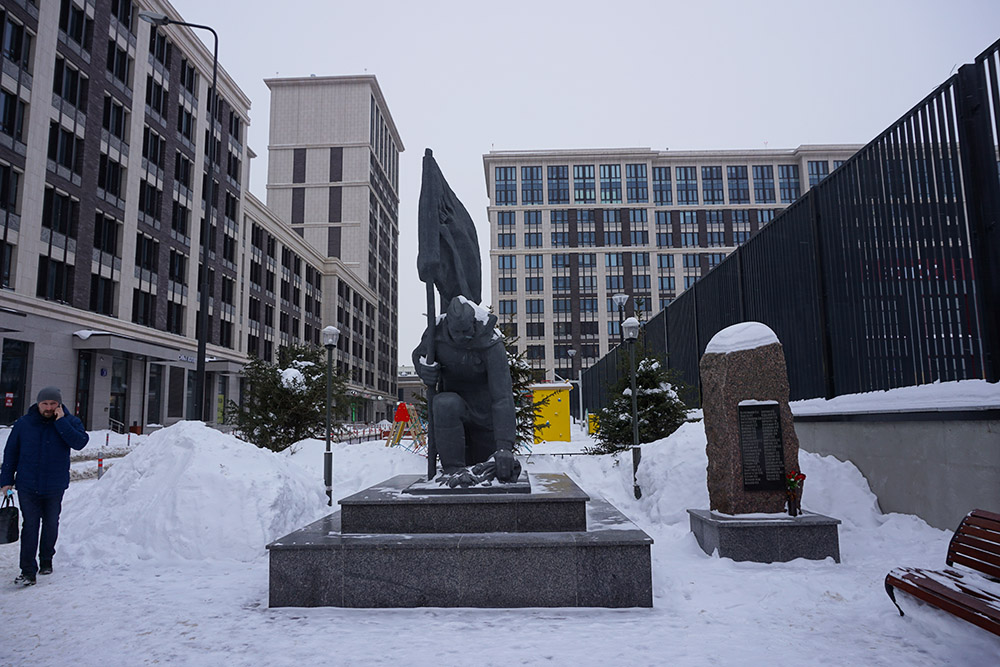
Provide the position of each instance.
(761, 447)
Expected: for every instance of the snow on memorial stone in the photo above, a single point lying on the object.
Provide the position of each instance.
(748, 424)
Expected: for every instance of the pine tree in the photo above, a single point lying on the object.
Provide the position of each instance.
(286, 402)
(659, 408)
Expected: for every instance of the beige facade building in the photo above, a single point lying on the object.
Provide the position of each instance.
(569, 229)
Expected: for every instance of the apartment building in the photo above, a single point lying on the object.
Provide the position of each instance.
(333, 175)
(105, 136)
(569, 229)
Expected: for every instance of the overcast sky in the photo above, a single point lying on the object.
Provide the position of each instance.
(467, 77)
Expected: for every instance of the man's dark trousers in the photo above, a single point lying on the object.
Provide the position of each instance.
(37, 508)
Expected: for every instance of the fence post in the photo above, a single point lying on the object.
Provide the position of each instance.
(826, 349)
(982, 194)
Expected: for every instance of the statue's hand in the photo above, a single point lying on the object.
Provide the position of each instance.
(430, 374)
(504, 459)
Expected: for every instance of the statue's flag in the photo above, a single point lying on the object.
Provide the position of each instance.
(448, 253)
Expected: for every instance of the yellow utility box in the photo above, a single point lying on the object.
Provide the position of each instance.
(592, 424)
(553, 420)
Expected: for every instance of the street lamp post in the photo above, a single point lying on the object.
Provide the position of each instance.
(620, 301)
(200, 403)
(331, 335)
(630, 330)
(579, 383)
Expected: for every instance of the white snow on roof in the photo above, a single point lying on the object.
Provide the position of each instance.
(742, 336)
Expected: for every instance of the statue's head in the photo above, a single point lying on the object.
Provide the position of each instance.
(461, 320)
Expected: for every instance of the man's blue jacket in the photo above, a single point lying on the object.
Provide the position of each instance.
(36, 457)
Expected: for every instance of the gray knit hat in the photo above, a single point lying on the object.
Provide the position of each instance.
(49, 394)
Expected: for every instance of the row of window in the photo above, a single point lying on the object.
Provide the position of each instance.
(605, 184)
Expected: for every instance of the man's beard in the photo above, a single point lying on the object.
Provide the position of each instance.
(48, 414)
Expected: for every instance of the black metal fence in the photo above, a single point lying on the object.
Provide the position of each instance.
(885, 274)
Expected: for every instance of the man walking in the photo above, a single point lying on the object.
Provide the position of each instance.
(36, 462)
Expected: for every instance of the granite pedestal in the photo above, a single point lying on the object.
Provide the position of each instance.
(763, 538)
(552, 547)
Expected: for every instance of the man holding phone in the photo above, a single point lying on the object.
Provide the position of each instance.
(36, 463)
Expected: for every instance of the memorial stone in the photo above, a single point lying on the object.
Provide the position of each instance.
(748, 423)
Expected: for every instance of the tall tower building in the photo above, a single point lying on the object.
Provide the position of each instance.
(570, 229)
(333, 175)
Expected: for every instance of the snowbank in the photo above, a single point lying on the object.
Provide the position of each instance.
(189, 492)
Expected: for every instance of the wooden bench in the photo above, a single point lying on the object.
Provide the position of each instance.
(973, 596)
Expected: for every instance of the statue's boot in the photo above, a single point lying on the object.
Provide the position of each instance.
(450, 443)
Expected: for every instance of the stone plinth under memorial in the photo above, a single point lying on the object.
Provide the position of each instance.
(552, 547)
(766, 538)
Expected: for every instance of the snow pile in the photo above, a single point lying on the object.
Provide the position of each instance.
(292, 378)
(964, 394)
(742, 336)
(192, 493)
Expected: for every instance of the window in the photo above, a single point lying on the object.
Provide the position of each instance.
(506, 218)
(739, 184)
(535, 329)
(506, 240)
(586, 239)
(533, 240)
(60, 213)
(110, 176)
(531, 186)
(561, 283)
(588, 283)
(587, 260)
(119, 64)
(612, 237)
(818, 170)
(611, 183)
(69, 84)
(584, 188)
(180, 219)
(65, 148)
(533, 262)
(560, 239)
(55, 280)
(715, 258)
(534, 306)
(664, 230)
(16, 43)
(178, 267)
(507, 307)
(615, 282)
(666, 283)
(665, 261)
(763, 184)
(147, 252)
(143, 308)
(183, 168)
(175, 317)
(689, 281)
(711, 185)
(154, 147)
(12, 111)
(662, 191)
(189, 78)
(562, 305)
(639, 233)
(10, 180)
(160, 47)
(534, 284)
(74, 23)
(508, 284)
(714, 228)
(788, 181)
(507, 262)
(640, 259)
(692, 261)
(559, 185)
(506, 186)
(156, 97)
(102, 295)
(185, 123)
(636, 185)
(613, 259)
(535, 352)
(532, 218)
(689, 229)
(741, 226)
(106, 231)
(150, 200)
(640, 281)
(588, 305)
(765, 215)
(122, 10)
(687, 185)
(560, 261)
(115, 117)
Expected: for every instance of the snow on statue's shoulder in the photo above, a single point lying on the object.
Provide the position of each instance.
(482, 314)
(742, 336)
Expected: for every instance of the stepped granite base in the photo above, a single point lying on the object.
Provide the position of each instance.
(764, 538)
(501, 550)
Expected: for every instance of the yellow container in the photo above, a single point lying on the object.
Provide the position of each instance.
(592, 424)
(553, 420)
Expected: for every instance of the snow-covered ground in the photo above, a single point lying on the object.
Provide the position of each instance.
(163, 561)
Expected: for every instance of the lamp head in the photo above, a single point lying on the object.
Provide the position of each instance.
(571, 352)
(630, 327)
(620, 300)
(330, 335)
(154, 18)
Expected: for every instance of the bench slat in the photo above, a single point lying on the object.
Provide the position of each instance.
(983, 514)
(983, 533)
(973, 562)
(965, 606)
